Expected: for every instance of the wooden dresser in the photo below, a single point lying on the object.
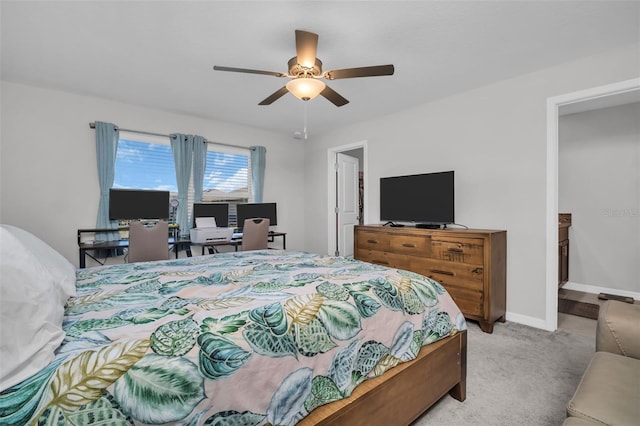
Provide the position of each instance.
(471, 263)
(564, 222)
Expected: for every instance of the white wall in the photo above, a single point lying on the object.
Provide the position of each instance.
(599, 184)
(49, 182)
(494, 137)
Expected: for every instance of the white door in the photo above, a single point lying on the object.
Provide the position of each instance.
(347, 202)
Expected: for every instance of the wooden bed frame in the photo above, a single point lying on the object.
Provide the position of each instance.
(403, 393)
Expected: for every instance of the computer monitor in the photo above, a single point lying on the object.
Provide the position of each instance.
(218, 210)
(252, 210)
(133, 204)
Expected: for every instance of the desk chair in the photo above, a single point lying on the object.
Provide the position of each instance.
(148, 243)
(255, 234)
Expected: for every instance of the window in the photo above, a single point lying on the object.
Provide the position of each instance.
(145, 165)
(146, 162)
(226, 178)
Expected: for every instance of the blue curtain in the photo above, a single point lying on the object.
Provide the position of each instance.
(258, 154)
(107, 136)
(199, 166)
(182, 148)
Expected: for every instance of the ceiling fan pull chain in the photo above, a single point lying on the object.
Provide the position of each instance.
(305, 121)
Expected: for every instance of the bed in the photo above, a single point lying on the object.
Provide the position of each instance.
(267, 337)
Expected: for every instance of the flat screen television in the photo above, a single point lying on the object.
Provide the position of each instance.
(132, 204)
(251, 210)
(426, 199)
(218, 210)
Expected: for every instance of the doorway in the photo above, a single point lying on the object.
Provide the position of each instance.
(598, 97)
(347, 195)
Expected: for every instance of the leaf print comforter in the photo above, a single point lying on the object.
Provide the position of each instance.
(247, 338)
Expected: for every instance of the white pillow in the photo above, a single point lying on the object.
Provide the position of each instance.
(31, 312)
(61, 270)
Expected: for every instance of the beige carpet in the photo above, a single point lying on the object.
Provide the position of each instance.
(517, 376)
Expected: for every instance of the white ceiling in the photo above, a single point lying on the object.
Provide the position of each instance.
(160, 54)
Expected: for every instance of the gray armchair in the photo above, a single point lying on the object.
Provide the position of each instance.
(610, 388)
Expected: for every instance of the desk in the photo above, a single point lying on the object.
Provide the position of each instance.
(211, 245)
(174, 240)
(83, 247)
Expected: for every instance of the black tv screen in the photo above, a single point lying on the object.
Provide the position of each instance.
(424, 198)
(251, 210)
(218, 210)
(131, 204)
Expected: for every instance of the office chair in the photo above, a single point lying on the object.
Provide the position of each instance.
(148, 243)
(255, 234)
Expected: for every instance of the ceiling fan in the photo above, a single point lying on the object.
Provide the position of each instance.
(305, 72)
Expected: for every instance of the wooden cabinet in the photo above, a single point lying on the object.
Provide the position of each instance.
(564, 222)
(470, 264)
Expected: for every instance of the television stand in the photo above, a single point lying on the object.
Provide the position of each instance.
(427, 226)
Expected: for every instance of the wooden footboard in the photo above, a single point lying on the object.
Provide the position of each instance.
(403, 393)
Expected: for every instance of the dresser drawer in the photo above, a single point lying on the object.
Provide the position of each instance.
(372, 241)
(462, 250)
(391, 260)
(408, 244)
(469, 301)
(450, 273)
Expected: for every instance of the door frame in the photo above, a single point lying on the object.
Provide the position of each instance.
(331, 188)
(554, 104)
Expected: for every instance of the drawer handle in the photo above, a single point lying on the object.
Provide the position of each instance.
(380, 262)
(372, 241)
(441, 272)
(409, 245)
(455, 250)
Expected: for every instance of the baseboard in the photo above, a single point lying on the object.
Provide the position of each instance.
(597, 290)
(527, 320)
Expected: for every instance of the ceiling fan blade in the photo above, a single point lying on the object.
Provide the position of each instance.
(333, 96)
(306, 47)
(245, 70)
(360, 72)
(275, 96)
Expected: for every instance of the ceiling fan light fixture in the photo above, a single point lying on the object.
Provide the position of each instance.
(305, 73)
(305, 88)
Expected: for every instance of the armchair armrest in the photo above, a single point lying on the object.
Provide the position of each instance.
(618, 329)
